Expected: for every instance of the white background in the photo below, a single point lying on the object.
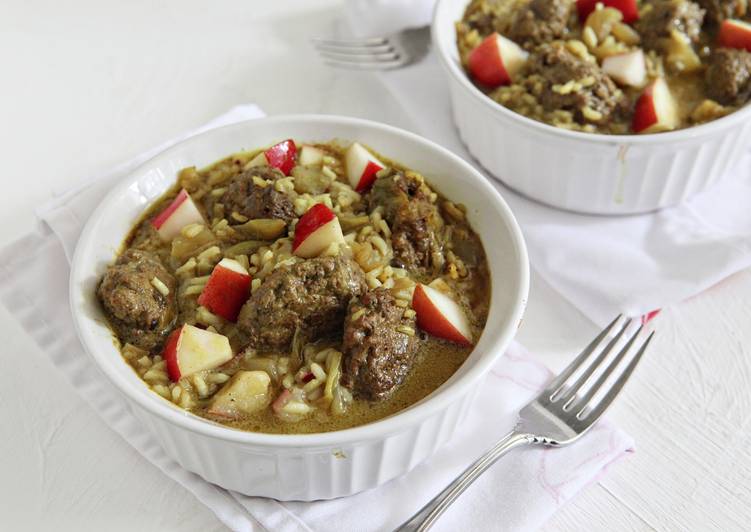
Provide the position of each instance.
(85, 84)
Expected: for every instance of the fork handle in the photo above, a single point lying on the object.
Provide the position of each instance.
(429, 514)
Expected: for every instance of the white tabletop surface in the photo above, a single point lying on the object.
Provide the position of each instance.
(88, 83)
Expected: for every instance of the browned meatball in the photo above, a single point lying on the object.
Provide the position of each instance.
(137, 310)
(556, 65)
(719, 10)
(666, 15)
(414, 219)
(311, 296)
(377, 356)
(479, 16)
(728, 76)
(541, 21)
(252, 200)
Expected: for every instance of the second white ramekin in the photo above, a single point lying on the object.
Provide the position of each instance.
(584, 172)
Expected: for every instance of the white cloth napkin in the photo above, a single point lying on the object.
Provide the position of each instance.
(519, 493)
(603, 265)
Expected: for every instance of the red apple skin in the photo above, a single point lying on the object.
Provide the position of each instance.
(162, 217)
(735, 34)
(282, 156)
(313, 218)
(430, 320)
(225, 293)
(368, 176)
(170, 355)
(485, 63)
(645, 114)
(280, 401)
(628, 8)
(584, 8)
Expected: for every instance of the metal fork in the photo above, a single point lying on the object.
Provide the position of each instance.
(560, 415)
(375, 53)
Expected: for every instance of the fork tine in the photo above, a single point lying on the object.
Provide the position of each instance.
(369, 41)
(354, 50)
(555, 386)
(370, 65)
(587, 397)
(361, 58)
(572, 390)
(594, 414)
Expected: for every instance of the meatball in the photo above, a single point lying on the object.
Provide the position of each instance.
(310, 296)
(377, 354)
(666, 15)
(246, 196)
(140, 313)
(728, 76)
(557, 66)
(479, 16)
(719, 10)
(541, 21)
(414, 219)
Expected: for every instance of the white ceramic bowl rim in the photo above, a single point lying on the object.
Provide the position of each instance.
(438, 35)
(152, 403)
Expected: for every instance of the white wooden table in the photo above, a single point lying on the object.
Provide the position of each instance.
(88, 83)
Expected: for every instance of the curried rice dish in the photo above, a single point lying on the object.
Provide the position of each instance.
(296, 289)
(610, 66)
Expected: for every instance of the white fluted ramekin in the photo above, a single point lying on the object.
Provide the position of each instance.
(585, 172)
(314, 466)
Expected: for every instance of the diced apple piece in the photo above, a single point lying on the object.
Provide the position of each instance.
(181, 212)
(258, 160)
(310, 156)
(190, 350)
(584, 8)
(227, 289)
(680, 54)
(628, 8)
(281, 156)
(496, 61)
(362, 167)
(440, 315)
(735, 34)
(316, 230)
(655, 109)
(245, 393)
(281, 401)
(626, 69)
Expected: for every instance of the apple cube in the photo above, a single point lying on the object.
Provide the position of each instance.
(190, 350)
(245, 393)
(310, 156)
(440, 315)
(735, 34)
(181, 212)
(281, 156)
(628, 8)
(316, 230)
(680, 55)
(496, 61)
(362, 167)
(258, 160)
(281, 401)
(626, 69)
(227, 289)
(655, 109)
